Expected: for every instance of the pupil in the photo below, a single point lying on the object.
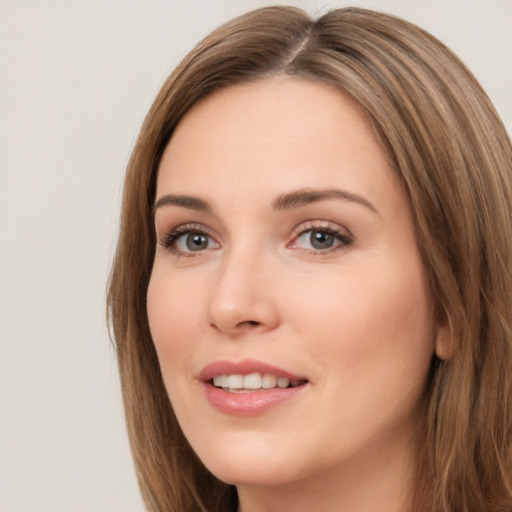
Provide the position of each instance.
(196, 242)
(321, 240)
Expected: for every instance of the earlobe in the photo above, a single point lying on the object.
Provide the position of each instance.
(443, 341)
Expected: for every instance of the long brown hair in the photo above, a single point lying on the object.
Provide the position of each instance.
(453, 156)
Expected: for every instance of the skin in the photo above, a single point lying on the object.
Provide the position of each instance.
(356, 319)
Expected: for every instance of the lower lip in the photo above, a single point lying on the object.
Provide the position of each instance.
(251, 403)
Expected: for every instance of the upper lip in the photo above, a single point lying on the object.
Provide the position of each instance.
(244, 367)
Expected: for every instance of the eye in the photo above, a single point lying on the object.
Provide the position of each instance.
(189, 239)
(317, 239)
(193, 242)
(321, 239)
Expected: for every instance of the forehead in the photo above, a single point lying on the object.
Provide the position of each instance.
(276, 134)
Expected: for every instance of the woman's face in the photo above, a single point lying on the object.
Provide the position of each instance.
(286, 257)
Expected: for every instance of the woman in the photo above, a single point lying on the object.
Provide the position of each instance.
(310, 296)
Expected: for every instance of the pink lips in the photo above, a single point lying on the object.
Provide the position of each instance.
(251, 403)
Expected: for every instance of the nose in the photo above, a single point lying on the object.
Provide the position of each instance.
(244, 298)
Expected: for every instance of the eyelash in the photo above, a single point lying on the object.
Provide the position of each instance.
(169, 239)
(342, 236)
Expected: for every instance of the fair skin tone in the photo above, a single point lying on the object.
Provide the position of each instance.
(285, 239)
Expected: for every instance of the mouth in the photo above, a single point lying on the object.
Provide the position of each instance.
(249, 387)
(253, 382)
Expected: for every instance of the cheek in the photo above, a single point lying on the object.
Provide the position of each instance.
(172, 316)
(173, 321)
(369, 319)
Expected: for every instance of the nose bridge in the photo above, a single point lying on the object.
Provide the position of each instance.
(242, 297)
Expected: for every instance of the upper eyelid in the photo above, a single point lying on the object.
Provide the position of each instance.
(186, 227)
(319, 225)
(190, 226)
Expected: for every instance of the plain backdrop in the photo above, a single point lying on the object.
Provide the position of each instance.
(76, 79)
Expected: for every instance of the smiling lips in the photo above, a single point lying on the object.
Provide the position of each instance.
(253, 382)
(249, 387)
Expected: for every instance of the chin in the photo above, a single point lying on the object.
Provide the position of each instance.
(251, 466)
(258, 475)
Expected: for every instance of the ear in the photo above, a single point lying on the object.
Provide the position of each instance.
(443, 340)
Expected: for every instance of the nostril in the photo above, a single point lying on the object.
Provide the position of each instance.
(248, 323)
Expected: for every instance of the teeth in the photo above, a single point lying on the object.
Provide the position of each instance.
(220, 381)
(283, 382)
(235, 381)
(268, 381)
(253, 381)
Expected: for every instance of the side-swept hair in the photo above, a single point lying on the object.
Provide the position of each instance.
(453, 157)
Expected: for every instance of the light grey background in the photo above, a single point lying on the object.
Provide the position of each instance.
(76, 79)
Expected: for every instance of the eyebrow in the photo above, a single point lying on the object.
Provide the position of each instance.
(189, 202)
(304, 197)
(287, 201)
